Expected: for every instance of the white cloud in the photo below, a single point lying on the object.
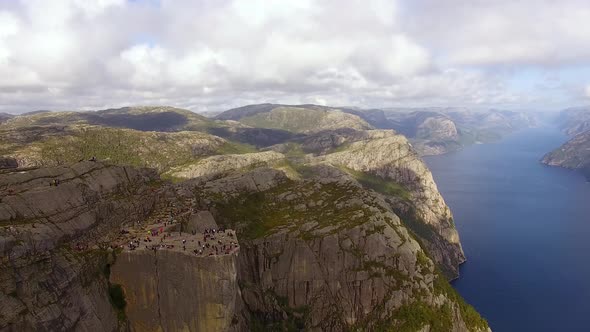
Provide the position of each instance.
(219, 54)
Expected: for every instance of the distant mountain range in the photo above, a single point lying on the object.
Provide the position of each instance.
(431, 130)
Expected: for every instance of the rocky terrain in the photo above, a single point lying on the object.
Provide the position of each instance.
(326, 228)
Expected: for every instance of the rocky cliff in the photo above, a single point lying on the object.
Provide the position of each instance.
(169, 290)
(317, 251)
(323, 253)
(48, 283)
(336, 228)
(416, 199)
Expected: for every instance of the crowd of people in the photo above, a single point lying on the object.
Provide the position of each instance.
(163, 236)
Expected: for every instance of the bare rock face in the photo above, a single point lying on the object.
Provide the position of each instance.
(393, 158)
(176, 291)
(47, 285)
(326, 255)
(317, 253)
(201, 221)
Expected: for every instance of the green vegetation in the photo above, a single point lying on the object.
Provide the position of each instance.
(158, 150)
(415, 315)
(301, 120)
(117, 298)
(259, 214)
(292, 119)
(470, 316)
(296, 317)
(379, 184)
(235, 148)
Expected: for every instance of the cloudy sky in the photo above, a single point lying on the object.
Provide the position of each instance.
(216, 54)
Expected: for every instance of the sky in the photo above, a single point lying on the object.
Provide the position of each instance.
(213, 55)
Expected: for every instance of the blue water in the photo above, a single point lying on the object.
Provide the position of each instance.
(525, 229)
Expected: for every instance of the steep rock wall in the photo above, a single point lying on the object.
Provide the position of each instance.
(46, 284)
(425, 212)
(177, 291)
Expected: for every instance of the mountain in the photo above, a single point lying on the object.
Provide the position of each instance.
(5, 117)
(437, 130)
(575, 120)
(575, 153)
(144, 118)
(330, 225)
(295, 119)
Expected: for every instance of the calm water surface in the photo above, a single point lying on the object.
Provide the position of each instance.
(525, 229)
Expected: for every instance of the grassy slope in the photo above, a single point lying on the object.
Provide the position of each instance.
(298, 120)
(124, 147)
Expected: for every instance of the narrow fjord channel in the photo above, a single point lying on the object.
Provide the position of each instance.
(525, 229)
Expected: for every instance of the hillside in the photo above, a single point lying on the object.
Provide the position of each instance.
(575, 153)
(145, 118)
(575, 120)
(295, 119)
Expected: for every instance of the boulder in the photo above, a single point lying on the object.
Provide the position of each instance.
(200, 221)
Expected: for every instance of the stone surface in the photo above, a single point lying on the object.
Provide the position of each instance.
(392, 157)
(201, 221)
(176, 291)
(46, 284)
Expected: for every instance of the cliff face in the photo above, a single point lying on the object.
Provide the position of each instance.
(177, 291)
(320, 253)
(325, 254)
(47, 284)
(390, 157)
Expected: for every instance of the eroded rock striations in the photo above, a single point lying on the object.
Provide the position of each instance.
(390, 157)
(319, 252)
(46, 284)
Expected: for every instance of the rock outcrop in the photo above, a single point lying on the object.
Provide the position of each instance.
(47, 284)
(392, 158)
(325, 254)
(176, 291)
(317, 253)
